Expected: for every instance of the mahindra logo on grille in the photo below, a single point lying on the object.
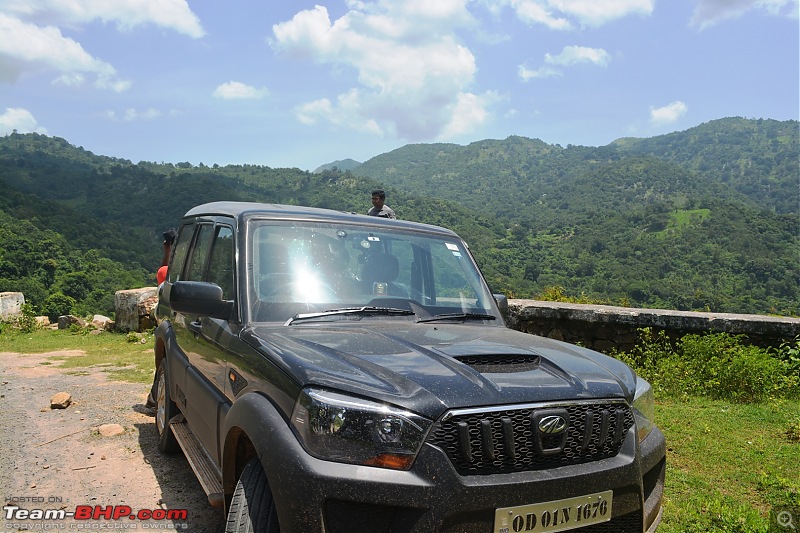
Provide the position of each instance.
(550, 431)
(552, 424)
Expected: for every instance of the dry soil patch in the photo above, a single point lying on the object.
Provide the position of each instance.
(56, 459)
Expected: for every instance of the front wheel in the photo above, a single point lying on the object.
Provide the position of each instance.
(165, 410)
(252, 508)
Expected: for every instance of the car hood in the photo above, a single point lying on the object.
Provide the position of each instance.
(431, 368)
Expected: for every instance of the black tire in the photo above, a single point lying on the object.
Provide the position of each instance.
(252, 508)
(165, 410)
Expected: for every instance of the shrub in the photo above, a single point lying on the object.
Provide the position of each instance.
(26, 321)
(719, 366)
(58, 304)
(793, 433)
(648, 356)
(723, 367)
(789, 353)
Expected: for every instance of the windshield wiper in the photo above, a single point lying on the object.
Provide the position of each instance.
(458, 316)
(366, 310)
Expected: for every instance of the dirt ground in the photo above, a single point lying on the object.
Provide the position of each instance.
(56, 459)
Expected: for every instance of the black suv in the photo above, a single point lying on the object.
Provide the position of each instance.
(334, 372)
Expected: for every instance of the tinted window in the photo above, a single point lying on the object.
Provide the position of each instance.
(181, 248)
(200, 251)
(221, 267)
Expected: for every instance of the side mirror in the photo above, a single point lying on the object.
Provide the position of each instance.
(199, 298)
(502, 303)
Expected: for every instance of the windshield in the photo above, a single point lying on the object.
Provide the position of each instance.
(298, 268)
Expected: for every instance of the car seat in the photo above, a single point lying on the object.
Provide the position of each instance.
(378, 273)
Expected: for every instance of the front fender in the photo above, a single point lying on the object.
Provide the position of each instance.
(253, 425)
(164, 338)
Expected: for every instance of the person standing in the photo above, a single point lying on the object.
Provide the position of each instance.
(379, 208)
(169, 239)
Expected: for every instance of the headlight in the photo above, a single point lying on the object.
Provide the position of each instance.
(644, 408)
(346, 429)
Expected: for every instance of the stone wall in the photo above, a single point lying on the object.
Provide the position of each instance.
(601, 327)
(605, 328)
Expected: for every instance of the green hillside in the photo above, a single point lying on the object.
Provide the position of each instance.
(71, 223)
(659, 222)
(344, 165)
(758, 158)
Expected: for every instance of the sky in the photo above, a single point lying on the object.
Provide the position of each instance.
(300, 84)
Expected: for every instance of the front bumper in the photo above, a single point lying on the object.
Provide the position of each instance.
(315, 495)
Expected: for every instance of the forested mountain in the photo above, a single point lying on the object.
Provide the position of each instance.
(754, 157)
(75, 227)
(344, 165)
(660, 222)
(701, 219)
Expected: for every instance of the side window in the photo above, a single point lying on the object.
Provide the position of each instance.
(199, 256)
(453, 286)
(179, 254)
(221, 268)
(404, 253)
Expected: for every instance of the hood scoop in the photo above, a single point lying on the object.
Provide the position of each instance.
(501, 363)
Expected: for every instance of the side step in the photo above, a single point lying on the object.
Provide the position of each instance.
(208, 475)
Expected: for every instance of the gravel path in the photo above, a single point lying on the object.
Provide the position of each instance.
(57, 459)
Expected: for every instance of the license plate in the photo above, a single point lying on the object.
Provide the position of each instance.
(558, 515)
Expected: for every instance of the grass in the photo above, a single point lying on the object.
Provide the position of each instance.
(730, 466)
(123, 358)
(683, 217)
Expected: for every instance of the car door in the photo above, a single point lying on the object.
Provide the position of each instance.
(203, 339)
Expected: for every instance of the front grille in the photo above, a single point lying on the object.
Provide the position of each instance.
(509, 439)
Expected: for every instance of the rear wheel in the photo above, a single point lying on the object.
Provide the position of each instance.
(252, 508)
(165, 410)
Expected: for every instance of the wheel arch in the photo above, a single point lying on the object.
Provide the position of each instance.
(250, 425)
(160, 346)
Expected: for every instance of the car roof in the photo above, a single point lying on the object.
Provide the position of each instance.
(243, 210)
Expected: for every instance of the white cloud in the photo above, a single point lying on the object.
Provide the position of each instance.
(565, 14)
(19, 120)
(526, 73)
(348, 112)
(127, 14)
(535, 12)
(26, 47)
(468, 110)
(572, 55)
(234, 90)
(662, 116)
(32, 38)
(709, 12)
(599, 12)
(412, 72)
(569, 56)
(148, 114)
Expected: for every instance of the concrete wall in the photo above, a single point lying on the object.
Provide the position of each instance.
(605, 328)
